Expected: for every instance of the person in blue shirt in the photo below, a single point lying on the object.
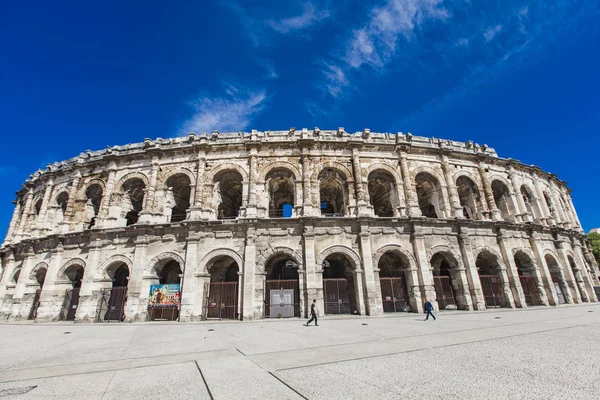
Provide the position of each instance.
(429, 310)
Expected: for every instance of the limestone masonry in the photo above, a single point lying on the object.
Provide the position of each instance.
(257, 225)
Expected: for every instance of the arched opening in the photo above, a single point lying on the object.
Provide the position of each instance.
(223, 288)
(526, 270)
(164, 300)
(393, 267)
(558, 279)
(74, 274)
(429, 195)
(550, 205)
(38, 208)
(333, 193)
(177, 197)
(61, 202)
(16, 275)
(282, 294)
(93, 196)
(133, 191)
(528, 201)
(39, 276)
(469, 198)
(117, 296)
(228, 194)
(280, 186)
(447, 282)
(501, 198)
(339, 289)
(578, 279)
(383, 193)
(491, 280)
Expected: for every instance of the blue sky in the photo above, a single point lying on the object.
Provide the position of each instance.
(520, 76)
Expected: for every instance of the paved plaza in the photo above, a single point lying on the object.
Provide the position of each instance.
(541, 353)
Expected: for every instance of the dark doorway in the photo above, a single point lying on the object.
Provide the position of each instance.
(392, 280)
(491, 280)
(282, 295)
(71, 302)
(338, 285)
(222, 299)
(526, 270)
(118, 295)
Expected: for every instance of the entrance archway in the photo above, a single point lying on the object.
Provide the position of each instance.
(558, 280)
(491, 280)
(38, 277)
(393, 282)
(446, 281)
(339, 289)
(526, 270)
(74, 274)
(163, 304)
(282, 294)
(119, 274)
(223, 288)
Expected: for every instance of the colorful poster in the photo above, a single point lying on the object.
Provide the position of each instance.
(164, 296)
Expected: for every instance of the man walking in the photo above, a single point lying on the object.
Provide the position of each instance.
(429, 309)
(313, 313)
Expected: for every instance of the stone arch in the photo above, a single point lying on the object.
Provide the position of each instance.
(525, 250)
(395, 248)
(498, 177)
(495, 253)
(201, 268)
(59, 192)
(447, 250)
(34, 271)
(333, 165)
(387, 168)
(84, 187)
(279, 165)
(429, 170)
(168, 173)
(468, 174)
(224, 167)
(74, 261)
(158, 262)
(109, 262)
(16, 274)
(132, 175)
(347, 251)
(554, 255)
(266, 256)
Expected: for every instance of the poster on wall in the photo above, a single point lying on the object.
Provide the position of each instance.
(164, 296)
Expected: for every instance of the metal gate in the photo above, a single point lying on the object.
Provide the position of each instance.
(393, 295)
(282, 299)
(222, 300)
(493, 292)
(112, 304)
(336, 299)
(530, 290)
(36, 304)
(163, 314)
(70, 303)
(444, 292)
(559, 291)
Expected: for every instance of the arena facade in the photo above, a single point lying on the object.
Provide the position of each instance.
(257, 225)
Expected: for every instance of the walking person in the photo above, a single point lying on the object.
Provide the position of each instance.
(313, 313)
(429, 310)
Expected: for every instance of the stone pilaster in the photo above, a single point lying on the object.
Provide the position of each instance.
(372, 290)
(586, 279)
(411, 201)
(466, 251)
(489, 194)
(42, 223)
(140, 280)
(452, 192)
(566, 272)
(543, 206)
(70, 211)
(7, 273)
(13, 222)
(17, 300)
(511, 271)
(543, 271)
(249, 311)
(196, 208)
(89, 294)
(425, 275)
(52, 295)
(251, 207)
(363, 208)
(314, 272)
(27, 210)
(188, 283)
(108, 194)
(524, 215)
(575, 216)
(308, 206)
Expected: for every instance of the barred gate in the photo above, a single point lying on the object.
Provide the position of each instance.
(282, 299)
(222, 301)
(111, 306)
(559, 289)
(70, 303)
(393, 295)
(336, 299)
(493, 291)
(36, 304)
(444, 292)
(530, 290)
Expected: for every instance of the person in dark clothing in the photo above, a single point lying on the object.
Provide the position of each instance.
(313, 313)
(429, 310)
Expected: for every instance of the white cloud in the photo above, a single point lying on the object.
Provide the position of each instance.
(335, 79)
(309, 17)
(232, 112)
(463, 42)
(491, 32)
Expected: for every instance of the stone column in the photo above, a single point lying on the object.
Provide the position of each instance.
(566, 275)
(573, 211)
(25, 216)
(544, 277)
(250, 310)
(70, 211)
(140, 280)
(489, 194)
(516, 184)
(13, 222)
(372, 290)
(363, 208)
(512, 272)
(546, 215)
(188, 289)
(251, 208)
(7, 273)
(314, 272)
(465, 294)
(308, 206)
(198, 200)
(42, 225)
(17, 300)
(587, 281)
(452, 192)
(412, 204)
(361, 303)
(302, 291)
(425, 275)
(466, 250)
(89, 294)
(402, 204)
(52, 295)
(108, 194)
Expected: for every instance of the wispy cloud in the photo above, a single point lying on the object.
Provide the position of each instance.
(335, 79)
(491, 32)
(233, 111)
(309, 17)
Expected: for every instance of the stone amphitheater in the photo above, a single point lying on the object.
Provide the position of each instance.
(254, 225)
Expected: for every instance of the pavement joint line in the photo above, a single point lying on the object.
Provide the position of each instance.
(108, 385)
(204, 380)
(433, 347)
(380, 338)
(291, 388)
